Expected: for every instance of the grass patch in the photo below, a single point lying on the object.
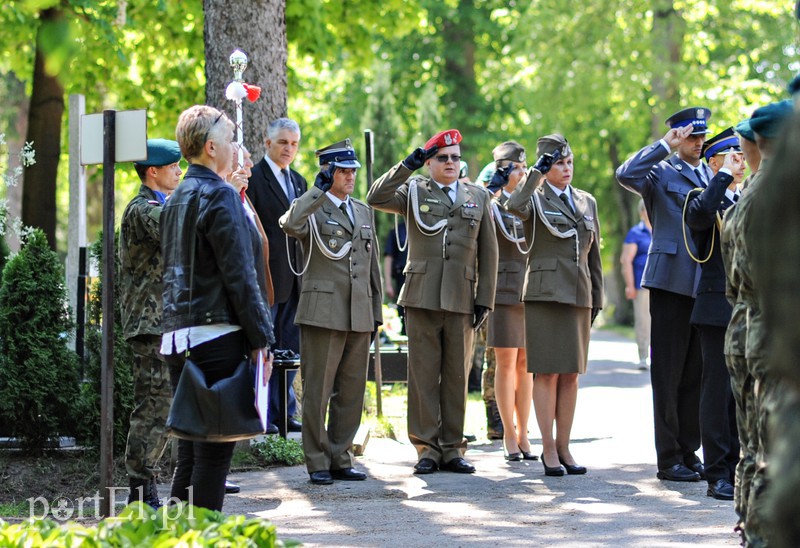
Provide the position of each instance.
(15, 510)
(273, 451)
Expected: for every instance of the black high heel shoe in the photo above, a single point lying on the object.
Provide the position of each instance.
(513, 457)
(528, 456)
(572, 469)
(552, 471)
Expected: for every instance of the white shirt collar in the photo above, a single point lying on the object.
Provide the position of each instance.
(729, 194)
(337, 202)
(453, 185)
(276, 170)
(558, 191)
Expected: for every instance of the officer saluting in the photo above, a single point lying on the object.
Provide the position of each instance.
(449, 290)
(663, 181)
(339, 308)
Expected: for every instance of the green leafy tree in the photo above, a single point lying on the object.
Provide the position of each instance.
(38, 373)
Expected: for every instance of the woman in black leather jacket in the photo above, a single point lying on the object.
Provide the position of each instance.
(214, 299)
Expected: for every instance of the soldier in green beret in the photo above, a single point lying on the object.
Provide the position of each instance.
(140, 272)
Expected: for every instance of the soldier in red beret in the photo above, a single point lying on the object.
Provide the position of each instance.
(449, 289)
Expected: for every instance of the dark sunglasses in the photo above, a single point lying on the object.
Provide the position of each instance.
(442, 158)
(208, 132)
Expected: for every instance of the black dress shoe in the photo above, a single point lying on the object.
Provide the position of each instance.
(720, 490)
(348, 474)
(459, 466)
(321, 477)
(426, 466)
(231, 488)
(272, 429)
(513, 457)
(294, 425)
(529, 456)
(552, 470)
(699, 468)
(678, 472)
(572, 469)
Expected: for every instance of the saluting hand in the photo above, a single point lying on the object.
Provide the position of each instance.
(677, 135)
(546, 161)
(417, 159)
(324, 179)
(500, 178)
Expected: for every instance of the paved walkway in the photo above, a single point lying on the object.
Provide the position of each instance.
(618, 503)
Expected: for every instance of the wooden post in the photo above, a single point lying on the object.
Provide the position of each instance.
(107, 352)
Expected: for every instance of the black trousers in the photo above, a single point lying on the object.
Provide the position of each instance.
(202, 466)
(717, 408)
(676, 368)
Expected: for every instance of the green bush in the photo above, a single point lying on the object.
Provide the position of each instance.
(140, 525)
(276, 450)
(39, 375)
(123, 361)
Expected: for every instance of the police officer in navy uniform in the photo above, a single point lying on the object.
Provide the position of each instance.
(712, 311)
(339, 309)
(663, 180)
(449, 290)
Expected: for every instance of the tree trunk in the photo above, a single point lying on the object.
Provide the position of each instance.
(667, 43)
(258, 28)
(624, 201)
(17, 100)
(44, 131)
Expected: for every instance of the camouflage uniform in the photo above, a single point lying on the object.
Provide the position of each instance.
(494, 426)
(764, 389)
(742, 382)
(140, 282)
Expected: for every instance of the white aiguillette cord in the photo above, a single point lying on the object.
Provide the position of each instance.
(314, 229)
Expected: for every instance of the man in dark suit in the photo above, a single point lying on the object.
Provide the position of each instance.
(712, 312)
(663, 181)
(272, 188)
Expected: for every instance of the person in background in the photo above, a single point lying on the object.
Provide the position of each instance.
(272, 188)
(395, 255)
(215, 306)
(140, 284)
(513, 384)
(633, 259)
(712, 312)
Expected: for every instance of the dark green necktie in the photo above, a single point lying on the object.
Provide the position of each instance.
(565, 199)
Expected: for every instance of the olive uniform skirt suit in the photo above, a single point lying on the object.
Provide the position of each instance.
(563, 279)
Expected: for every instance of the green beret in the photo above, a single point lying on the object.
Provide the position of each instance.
(161, 152)
(510, 151)
(768, 120)
(744, 130)
(794, 85)
(486, 173)
(550, 143)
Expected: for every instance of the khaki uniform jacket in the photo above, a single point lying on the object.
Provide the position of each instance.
(511, 265)
(555, 273)
(455, 269)
(345, 294)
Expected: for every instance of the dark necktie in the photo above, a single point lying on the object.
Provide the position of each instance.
(565, 199)
(447, 190)
(735, 197)
(700, 175)
(287, 183)
(343, 207)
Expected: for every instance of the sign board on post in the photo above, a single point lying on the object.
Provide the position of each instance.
(130, 136)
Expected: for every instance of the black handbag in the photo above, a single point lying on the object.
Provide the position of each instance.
(222, 412)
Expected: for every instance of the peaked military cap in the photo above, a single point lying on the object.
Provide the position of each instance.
(794, 86)
(510, 151)
(744, 130)
(161, 152)
(721, 143)
(463, 170)
(550, 143)
(444, 139)
(341, 154)
(697, 117)
(768, 120)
